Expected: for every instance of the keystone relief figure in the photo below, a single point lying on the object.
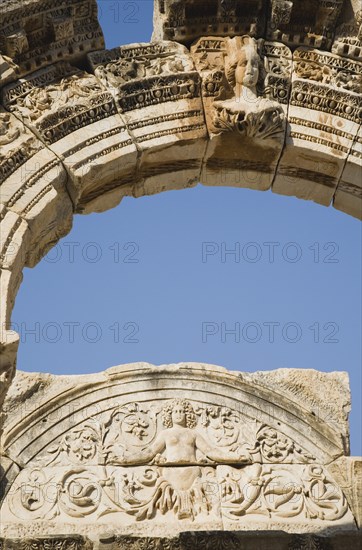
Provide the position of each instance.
(247, 112)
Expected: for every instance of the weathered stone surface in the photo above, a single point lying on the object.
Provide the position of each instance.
(200, 448)
(348, 34)
(245, 88)
(32, 185)
(157, 90)
(348, 195)
(187, 20)
(307, 23)
(37, 33)
(295, 23)
(78, 121)
(157, 451)
(347, 471)
(324, 115)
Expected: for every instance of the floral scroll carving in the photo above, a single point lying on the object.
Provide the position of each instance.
(173, 432)
(277, 492)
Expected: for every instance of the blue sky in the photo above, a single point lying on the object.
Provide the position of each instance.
(154, 279)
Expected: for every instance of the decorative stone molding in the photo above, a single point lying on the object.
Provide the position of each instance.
(157, 91)
(186, 21)
(38, 33)
(324, 111)
(238, 453)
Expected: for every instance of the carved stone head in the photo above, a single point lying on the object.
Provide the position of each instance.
(242, 64)
(179, 412)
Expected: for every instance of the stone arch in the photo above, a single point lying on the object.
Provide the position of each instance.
(82, 127)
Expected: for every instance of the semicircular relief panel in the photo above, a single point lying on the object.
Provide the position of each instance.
(192, 444)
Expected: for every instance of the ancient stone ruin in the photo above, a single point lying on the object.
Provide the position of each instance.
(253, 94)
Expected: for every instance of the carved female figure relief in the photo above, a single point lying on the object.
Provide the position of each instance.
(247, 112)
(179, 442)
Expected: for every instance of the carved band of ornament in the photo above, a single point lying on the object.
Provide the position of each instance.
(321, 127)
(210, 45)
(164, 118)
(277, 51)
(68, 543)
(49, 75)
(69, 119)
(15, 160)
(102, 153)
(35, 8)
(32, 181)
(155, 91)
(326, 100)
(147, 50)
(270, 491)
(171, 131)
(130, 52)
(5, 245)
(321, 141)
(95, 139)
(328, 60)
(38, 198)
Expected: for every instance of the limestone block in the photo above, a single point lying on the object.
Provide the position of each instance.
(32, 185)
(8, 70)
(245, 89)
(78, 121)
(347, 471)
(37, 33)
(158, 451)
(9, 339)
(283, 498)
(14, 240)
(157, 90)
(273, 417)
(9, 470)
(324, 116)
(14, 243)
(187, 20)
(348, 34)
(348, 196)
(305, 23)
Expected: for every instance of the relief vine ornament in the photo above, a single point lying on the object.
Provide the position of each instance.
(180, 443)
(175, 457)
(248, 113)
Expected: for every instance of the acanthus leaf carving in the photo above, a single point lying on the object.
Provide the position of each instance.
(281, 492)
(173, 432)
